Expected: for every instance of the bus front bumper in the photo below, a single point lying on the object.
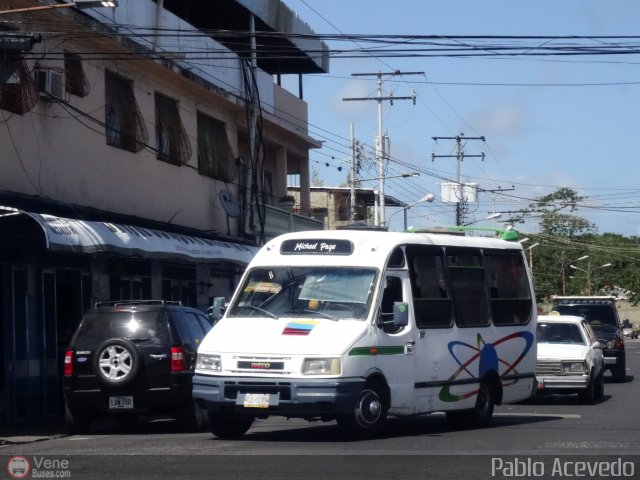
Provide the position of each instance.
(267, 396)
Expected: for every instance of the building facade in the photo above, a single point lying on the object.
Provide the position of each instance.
(143, 156)
(332, 205)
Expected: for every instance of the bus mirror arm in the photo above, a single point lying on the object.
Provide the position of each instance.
(400, 314)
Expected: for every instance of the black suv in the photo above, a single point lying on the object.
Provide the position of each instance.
(132, 357)
(602, 315)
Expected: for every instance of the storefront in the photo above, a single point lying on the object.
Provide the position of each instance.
(54, 268)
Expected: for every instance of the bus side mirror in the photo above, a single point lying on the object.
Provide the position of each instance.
(217, 309)
(400, 314)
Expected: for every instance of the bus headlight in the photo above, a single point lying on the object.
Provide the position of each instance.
(211, 363)
(321, 366)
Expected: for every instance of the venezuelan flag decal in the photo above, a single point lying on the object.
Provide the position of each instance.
(299, 327)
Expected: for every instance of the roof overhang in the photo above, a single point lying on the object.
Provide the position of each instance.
(93, 237)
(286, 45)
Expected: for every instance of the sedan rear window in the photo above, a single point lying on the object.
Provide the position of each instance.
(567, 333)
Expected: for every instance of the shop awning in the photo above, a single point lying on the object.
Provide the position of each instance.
(82, 236)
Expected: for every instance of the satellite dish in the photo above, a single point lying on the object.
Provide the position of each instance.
(229, 203)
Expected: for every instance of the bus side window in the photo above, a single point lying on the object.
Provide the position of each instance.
(511, 301)
(468, 288)
(392, 293)
(431, 294)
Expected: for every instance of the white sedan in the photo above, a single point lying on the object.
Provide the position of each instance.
(570, 358)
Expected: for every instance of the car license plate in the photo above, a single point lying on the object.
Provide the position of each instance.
(256, 400)
(120, 402)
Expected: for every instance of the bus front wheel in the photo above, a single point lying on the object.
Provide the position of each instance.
(229, 425)
(369, 414)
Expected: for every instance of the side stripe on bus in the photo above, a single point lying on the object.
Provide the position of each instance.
(468, 381)
(390, 350)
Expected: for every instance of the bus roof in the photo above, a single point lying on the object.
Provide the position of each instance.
(358, 247)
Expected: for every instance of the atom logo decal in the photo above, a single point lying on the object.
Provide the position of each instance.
(486, 359)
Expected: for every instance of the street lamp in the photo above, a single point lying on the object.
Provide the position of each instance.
(379, 214)
(427, 198)
(493, 216)
(531, 247)
(564, 272)
(589, 272)
(400, 175)
(76, 3)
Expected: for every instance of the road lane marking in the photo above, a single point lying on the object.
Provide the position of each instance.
(524, 414)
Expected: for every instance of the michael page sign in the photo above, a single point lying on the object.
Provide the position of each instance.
(316, 247)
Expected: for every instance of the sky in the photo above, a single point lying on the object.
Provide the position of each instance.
(548, 121)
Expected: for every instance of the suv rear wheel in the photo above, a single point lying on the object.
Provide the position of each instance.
(117, 362)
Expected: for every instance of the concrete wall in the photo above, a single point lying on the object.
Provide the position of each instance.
(58, 150)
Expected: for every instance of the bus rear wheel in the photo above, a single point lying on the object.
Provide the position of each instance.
(480, 415)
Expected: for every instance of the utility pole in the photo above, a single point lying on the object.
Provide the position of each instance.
(459, 156)
(493, 195)
(353, 176)
(380, 150)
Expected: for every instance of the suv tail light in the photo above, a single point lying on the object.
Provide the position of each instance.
(68, 363)
(178, 363)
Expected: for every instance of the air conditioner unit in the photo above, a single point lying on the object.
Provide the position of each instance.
(50, 83)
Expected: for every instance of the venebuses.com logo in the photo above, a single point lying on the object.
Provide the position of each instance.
(38, 467)
(18, 467)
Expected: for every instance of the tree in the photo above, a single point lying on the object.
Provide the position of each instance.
(551, 220)
(316, 181)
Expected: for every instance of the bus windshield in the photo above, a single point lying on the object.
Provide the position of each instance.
(328, 292)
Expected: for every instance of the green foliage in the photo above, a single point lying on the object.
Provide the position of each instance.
(552, 221)
(564, 239)
(552, 274)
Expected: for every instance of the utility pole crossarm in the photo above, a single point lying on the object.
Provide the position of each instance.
(380, 147)
(459, 156)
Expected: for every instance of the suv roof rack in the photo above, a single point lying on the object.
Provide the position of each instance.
(581, 297)
(117, 303)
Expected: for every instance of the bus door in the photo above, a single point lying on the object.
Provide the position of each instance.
(432, 304)
(395, 346)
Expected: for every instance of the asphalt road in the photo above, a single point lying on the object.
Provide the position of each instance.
(554, 436)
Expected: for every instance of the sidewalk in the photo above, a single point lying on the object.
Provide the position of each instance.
(16, 434)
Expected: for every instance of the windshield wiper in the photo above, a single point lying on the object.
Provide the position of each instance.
(261, 310)
(314, 312)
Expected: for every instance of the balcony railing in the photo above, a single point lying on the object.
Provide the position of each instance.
(279, 221)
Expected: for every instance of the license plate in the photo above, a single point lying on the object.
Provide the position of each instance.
(121, 402)
(256, 400)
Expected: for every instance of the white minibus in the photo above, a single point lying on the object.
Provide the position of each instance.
(356, 326)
